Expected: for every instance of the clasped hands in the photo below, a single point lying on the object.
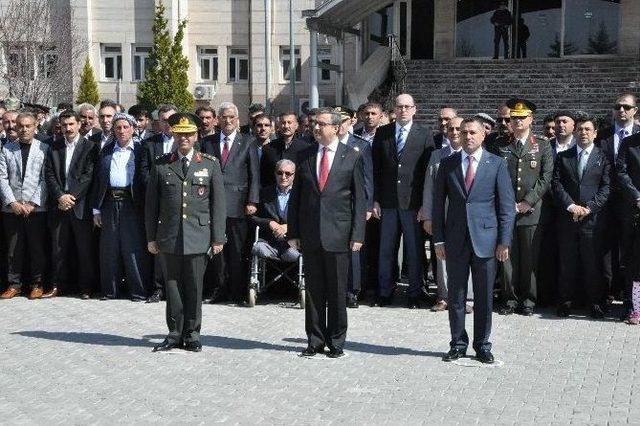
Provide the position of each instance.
(578, 212)
(66, 202)
(22, 208)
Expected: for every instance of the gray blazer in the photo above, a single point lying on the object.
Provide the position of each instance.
(429, 180)
(12, 187)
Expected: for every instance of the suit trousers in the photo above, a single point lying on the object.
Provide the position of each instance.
(67, 231)
(371, 253)
(442, 281)
(394, 222)
(25, 237)
(326, 297)
(159, 274)
(122, 243)
(231, 266)
(519, 273)
(547, 283)
(183, 291)
(580, 264)
(354, 284)
(613, 259)
(483, 274)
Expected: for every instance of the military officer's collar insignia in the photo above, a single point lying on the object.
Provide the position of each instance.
(174, 157)
(355, 148)
(201, 173)
(197, 157)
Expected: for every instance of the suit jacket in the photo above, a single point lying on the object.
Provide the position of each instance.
(140, 177)
(486, 213)
(154, 145)
(33, 187)
(80, 174)
(241, 173)
(591, 191)
(429, 180)
(96, 138)
(605, 141)
(275, 151)
(438, 138)
(359, 144)
(628, 169)
(330, 219)
(185, 214)
(398, 182)
(267, 211)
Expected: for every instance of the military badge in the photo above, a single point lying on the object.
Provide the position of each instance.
(201, 191)
(534, 163)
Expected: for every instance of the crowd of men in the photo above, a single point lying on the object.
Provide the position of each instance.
(75, 193)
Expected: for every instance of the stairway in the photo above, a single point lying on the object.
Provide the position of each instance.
(473, 86)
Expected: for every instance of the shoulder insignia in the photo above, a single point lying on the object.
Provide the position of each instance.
(165, 158)
(358, 137)
(209, 156)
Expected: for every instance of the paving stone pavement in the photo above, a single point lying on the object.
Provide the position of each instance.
(73, 362)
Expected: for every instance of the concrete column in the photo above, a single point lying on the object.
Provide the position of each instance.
(340, 74)
(314, 97)
(444, 29)
(628, 35)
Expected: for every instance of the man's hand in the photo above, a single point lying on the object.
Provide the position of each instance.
(17, 208)
(502, 253)
(66, 202)
(441, 254)
(369, 214)
(427, 225)
(153, 248)
(28, 208)
(355, 246)
(523, 207)
(250, 209)
(420, 215)
(97, 220)
(294, 243)
(216, 248)
(377, 212)
(280, 231)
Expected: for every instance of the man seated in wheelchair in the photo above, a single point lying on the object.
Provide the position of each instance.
(271, 216)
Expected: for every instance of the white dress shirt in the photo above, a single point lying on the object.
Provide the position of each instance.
(566, 146)
(616, 137)
(406, 127)
(167, 144)
(104, 139)
(587, 153)
(70, 148)
(189, 156)
(231, 137)
(331, 152)
(464, 164)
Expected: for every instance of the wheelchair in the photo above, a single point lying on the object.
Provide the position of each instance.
(258, 280)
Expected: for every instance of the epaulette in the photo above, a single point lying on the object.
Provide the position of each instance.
(209, 156)
(359, 137)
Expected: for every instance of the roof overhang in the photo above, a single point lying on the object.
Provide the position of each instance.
(336, 16)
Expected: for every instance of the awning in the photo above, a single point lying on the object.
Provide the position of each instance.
(343, 15)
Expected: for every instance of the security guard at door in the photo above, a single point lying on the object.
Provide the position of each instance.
(530, 164)
(185, 218)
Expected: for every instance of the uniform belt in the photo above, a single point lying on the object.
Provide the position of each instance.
(118, 194)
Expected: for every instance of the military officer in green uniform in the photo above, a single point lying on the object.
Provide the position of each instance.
(185, 217)
(530, 163)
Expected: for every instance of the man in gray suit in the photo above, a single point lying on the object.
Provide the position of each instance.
(474, 188)
(24, 203)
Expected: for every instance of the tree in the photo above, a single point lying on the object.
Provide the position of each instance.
(569, 48)
(600, 44)
(167, 79)
(88, 88)
(43, 50)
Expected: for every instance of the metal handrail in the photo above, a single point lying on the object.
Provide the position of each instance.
(398, 66)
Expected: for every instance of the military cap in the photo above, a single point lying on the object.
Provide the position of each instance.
(184, 122)
(486, 118)
(520, 107)
(345, 112)
(564, 113)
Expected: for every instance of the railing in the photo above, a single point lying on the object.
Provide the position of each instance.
(398, 67)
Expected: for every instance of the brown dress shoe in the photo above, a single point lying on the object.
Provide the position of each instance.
(36, 293)
(439, 307)
(51, 293)
(10, 293)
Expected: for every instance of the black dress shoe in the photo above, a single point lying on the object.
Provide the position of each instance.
(527, 311)
(596, 312)
(454, 354)
(564, 310)
(310, 351)
(485, 357)
(166, 345)
(352, 302)
(194, 346)
(413, 303)
(85, 296)
(335, 353)
(506, 310)
(218, 296)
(155, 297)
(382, 301)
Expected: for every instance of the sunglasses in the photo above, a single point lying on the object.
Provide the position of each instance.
(503, 119)
(285, 174)
(625, 106)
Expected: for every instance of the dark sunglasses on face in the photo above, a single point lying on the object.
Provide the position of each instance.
(625, 106)
(504, 119)
(283, 173)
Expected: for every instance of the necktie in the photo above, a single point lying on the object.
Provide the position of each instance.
(225, 151)
(324, 169)
(400, 141)
(185, 166)
(582, 162)
(471, 174)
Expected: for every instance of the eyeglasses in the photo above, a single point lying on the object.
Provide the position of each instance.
(625, 106)
(87, 117)
(321, 124)
(503, 119)
(285, 174)
(401, 107)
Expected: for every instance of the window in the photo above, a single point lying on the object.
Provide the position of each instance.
(111, 61)
(141, 63)
(238, 65)
(324, 57)
(285, 62)
(208, 60)
(17, 66)
(47, 62)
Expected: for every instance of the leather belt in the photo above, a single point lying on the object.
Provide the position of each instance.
(118, 194)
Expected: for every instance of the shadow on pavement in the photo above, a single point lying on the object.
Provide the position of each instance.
(377, 349)
(101, 339)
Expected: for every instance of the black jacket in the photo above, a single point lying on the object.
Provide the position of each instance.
(275, 151)
(268, 211)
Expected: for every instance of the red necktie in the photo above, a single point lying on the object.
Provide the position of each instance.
(225, 151)
(471, 174)
(324, 169)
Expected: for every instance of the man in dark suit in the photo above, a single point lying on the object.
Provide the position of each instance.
(581, 188)
(617, 244)
(185, 215)
(157, 145)
(444, 116)
(472, 231)
(238, 158)
(262, 131)
(88, 120)
(143, 119)
(530, 165)
(371, 117)
(105, 119)
(401, 152)
(286, 145)
(327, 220)
(209, 121)
(118, 209)
(254, 111)
(69, 174)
